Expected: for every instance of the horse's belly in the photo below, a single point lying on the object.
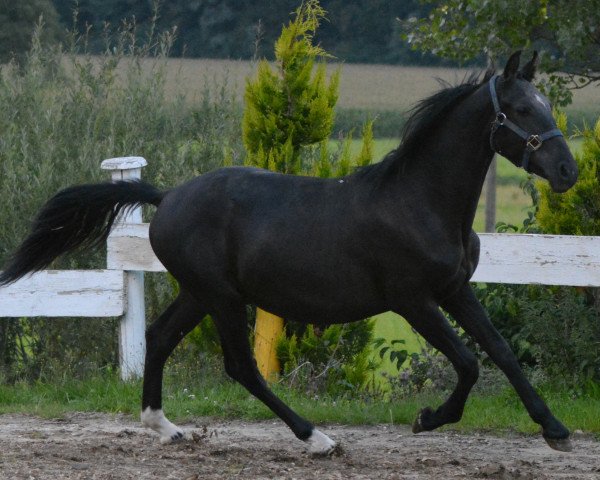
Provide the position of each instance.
(315, 297)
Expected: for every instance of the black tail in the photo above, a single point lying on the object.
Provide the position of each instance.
(76, 217)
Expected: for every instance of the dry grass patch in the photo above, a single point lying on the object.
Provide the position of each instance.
(370, 87)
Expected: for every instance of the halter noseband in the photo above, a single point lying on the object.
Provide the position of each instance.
(532, 141)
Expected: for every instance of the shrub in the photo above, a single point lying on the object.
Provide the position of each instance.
(426, 370)
(554, 329)
(332, 360)
(576, 212)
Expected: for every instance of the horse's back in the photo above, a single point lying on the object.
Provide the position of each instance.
(235, 205)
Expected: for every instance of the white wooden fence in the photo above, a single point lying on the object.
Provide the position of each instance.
(119, 290)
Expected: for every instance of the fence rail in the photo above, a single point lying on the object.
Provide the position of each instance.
(119, 290)
(504, 257)
(65, 293)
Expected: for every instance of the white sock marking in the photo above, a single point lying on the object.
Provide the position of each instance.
(156, 420)
(319, 443)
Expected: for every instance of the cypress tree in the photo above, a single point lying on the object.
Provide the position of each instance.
(291, 105)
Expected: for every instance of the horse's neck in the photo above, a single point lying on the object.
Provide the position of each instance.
(453, 164)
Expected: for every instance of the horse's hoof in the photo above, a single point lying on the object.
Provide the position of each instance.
(172, 438)
(320, 445)
(560, 444)
(417, 426)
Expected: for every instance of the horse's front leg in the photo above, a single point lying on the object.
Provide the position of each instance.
(433, 326)
(468, 312)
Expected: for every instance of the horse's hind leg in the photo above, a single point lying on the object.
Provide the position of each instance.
(433, 326)
(161, 338)
(240, 365)
(470, 315)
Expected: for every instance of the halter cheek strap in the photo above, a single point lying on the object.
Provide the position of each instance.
(533, 142)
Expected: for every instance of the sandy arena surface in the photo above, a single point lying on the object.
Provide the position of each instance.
(99, 446)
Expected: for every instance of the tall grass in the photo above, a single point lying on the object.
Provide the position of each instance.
(61, 114)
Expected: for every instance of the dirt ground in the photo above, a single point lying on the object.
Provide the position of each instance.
(98, 446)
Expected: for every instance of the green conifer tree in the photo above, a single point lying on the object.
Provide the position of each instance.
(291, 105)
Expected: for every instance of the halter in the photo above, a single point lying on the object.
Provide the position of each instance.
(533, 142)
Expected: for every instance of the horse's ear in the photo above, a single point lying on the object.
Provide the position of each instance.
(528, 70)
(512, 66)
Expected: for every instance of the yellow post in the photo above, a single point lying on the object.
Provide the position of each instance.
(268, 329)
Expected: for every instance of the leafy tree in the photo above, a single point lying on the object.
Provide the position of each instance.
(468, 29)
(18, 20)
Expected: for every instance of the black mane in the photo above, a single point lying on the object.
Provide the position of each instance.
(424, 117)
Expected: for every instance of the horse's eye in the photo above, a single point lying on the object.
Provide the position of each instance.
(523, 110)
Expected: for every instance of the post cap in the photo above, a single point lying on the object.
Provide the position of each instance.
(123, 163)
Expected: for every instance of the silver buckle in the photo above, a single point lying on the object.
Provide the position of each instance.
(534, 142)
(500, 118)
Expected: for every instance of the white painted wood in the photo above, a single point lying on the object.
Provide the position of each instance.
(539, 259)
(123, 163)
(129, 249)
(132, 341)
(126, 168)
(64, 293)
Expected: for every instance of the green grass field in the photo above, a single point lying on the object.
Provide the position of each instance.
(192, 397)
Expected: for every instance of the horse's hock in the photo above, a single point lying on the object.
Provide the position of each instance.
(118, 290)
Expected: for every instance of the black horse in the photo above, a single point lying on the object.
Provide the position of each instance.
(393, 236)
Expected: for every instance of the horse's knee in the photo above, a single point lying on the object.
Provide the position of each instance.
(231, 370)
(236, 371)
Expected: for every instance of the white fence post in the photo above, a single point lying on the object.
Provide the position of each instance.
(132, 341)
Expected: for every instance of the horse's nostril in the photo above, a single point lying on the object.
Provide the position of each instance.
(564, 171)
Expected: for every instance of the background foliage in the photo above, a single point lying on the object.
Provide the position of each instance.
(17, 20)
(61, 114)
(577, 212)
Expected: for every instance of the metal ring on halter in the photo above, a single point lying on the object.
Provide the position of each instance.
(534, 142)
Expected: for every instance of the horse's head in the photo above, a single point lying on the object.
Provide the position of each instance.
(524, 130)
